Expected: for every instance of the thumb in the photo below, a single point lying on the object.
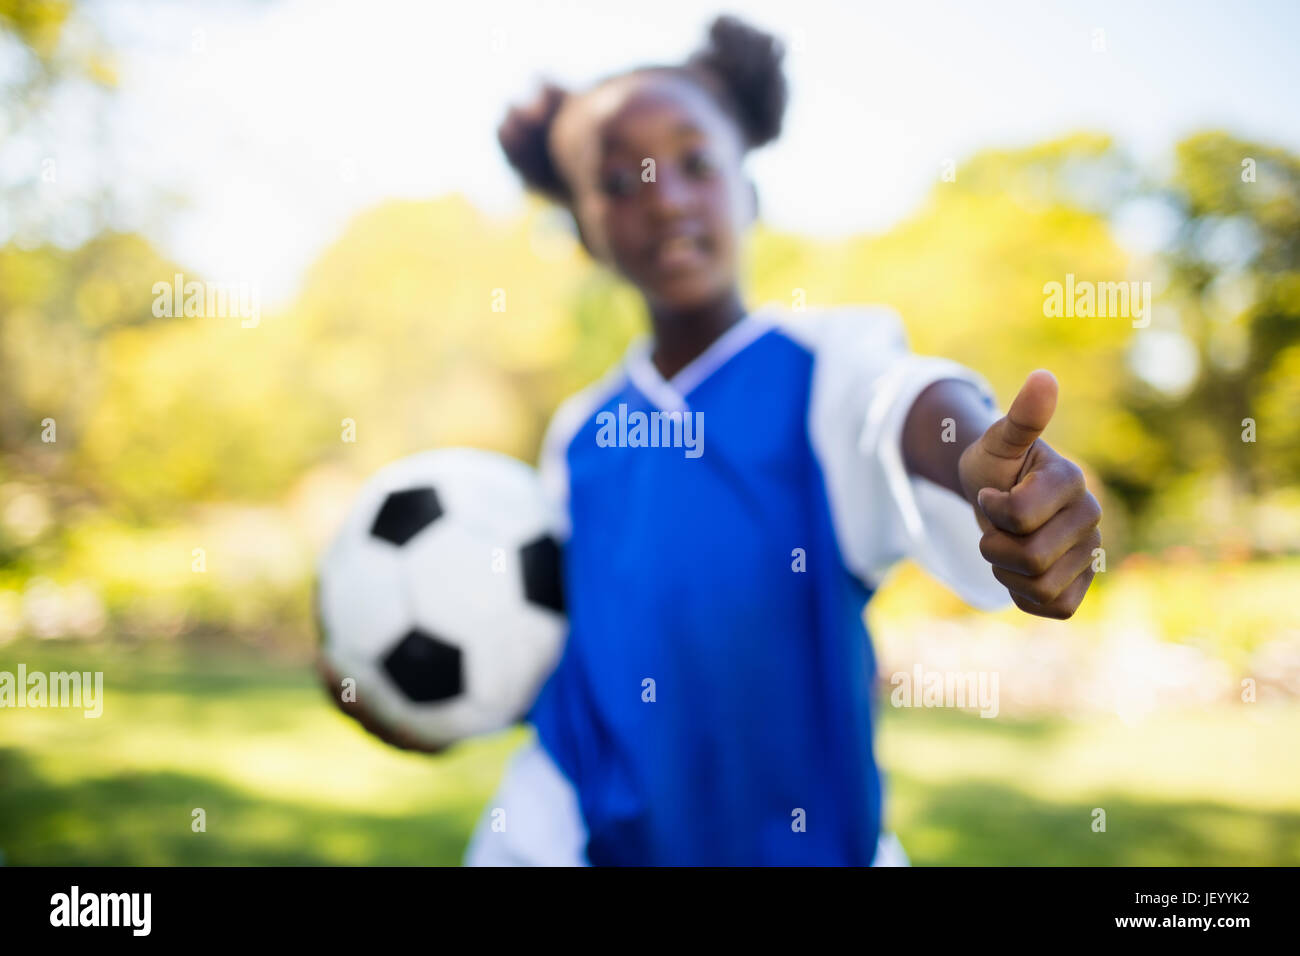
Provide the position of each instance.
(1030, 411)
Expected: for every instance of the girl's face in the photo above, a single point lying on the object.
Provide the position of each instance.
(672, 227)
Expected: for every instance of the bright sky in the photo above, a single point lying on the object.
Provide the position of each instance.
(280, 120)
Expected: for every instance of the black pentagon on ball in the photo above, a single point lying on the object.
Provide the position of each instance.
(542, 578)
(405, 514)
(425, 668)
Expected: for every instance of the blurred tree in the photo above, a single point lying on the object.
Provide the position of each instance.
(1235, 281)
(51, 299)
(50, 53)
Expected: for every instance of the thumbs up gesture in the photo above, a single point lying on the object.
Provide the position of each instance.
(1038, 517)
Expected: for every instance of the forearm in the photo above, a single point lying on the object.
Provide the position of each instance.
(943, 421)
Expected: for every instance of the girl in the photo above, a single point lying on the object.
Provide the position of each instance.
(712, 705)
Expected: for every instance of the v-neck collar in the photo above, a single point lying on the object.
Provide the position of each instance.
(670, 394)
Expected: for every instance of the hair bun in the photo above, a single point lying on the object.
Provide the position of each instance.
(748, 63)
(523, 136)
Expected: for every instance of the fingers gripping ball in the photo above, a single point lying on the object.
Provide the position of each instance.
(441, 596)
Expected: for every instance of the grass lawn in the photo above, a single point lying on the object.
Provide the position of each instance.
(284, 779)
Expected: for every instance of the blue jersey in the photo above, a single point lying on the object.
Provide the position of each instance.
(724, 532)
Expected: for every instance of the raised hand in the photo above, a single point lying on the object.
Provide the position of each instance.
(1038, 517)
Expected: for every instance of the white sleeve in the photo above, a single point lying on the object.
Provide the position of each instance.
(864, 383)
(552, 465)
(553, 470)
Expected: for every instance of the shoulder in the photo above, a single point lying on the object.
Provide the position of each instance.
(846, 332)
(854, 349)
(579, 409)
(573, 414)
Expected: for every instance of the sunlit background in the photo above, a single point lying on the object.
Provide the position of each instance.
(339, 163)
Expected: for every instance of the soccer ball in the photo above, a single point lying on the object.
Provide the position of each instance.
(441, 594)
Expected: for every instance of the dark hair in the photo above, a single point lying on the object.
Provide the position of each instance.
(740, 66)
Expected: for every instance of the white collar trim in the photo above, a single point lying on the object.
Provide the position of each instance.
(670, 395)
